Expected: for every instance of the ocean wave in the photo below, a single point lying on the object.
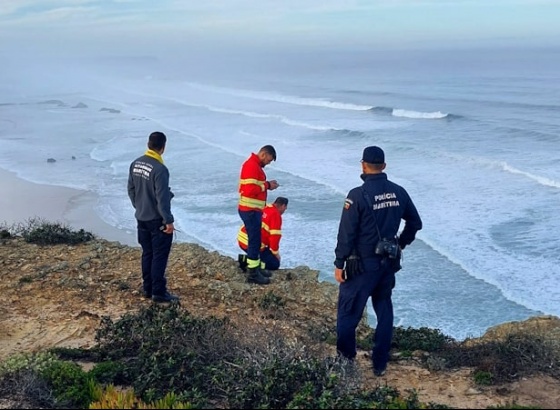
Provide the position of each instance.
(398, 112)
(277, 117)
(281, 98)
(418, 114)
(540, 179)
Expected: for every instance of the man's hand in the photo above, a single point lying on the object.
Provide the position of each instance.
(339, 275)
(169, 228)
(273, 185)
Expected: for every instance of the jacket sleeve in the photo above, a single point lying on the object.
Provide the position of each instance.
(275, 232)
(163, 195)
(413, 223)
(347, 228)
(131, 188)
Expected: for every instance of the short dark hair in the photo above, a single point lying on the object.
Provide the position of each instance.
(281, 201)
(269, 149)
(157, 140)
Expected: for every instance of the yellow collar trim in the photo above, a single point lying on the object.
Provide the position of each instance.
(153, 154)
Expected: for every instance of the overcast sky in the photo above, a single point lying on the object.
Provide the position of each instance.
(167, 25)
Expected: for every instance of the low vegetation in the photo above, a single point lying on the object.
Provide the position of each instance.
(518, 354)
(164, 357)
(41, 232)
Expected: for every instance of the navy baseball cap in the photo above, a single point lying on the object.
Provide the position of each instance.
(373, 155)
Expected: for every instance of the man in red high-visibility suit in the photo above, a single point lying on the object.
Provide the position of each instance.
(271, 233)
(253, 188)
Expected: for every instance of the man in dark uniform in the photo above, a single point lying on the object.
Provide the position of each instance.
(149, 193)
(372, 212)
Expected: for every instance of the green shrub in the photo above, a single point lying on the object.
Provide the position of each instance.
(66, 382)
(381, 398)
(41, 232)
(426, 339)
(165, 349)
(516, 355)
(109, 372)
(164, 353)
(69, 383)
(34, 362)
(483, 378)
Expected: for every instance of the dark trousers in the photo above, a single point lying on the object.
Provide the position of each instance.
(352, 298)
(156, 246)
(252, 221)
(271, 262)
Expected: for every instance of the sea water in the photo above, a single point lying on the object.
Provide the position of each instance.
(472, 136)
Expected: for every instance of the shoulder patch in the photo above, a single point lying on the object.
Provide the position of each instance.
(348, 203)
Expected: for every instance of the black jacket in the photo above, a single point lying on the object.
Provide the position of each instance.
(148, 190)
(357, 229)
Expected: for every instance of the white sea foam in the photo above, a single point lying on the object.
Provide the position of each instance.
(418, 115)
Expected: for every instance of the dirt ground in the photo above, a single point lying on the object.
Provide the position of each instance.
(56, 296)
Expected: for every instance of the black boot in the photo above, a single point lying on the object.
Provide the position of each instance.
(242, 259)
(265, 272)
(255, 276)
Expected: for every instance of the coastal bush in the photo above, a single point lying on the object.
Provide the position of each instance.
(70, 385)
(33, 362)
(409, 339)
(109, 372)
(27, 389)
(516, 355)
(46, 378)
(167, 358)
(41, 232)
(425, 339)
(483, 378)
(212, 362)
(381, 398)
(4, 233)
(221, 361)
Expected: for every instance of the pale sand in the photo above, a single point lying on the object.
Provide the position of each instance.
(21, 200)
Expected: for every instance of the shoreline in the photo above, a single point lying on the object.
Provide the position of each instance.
(22, 200)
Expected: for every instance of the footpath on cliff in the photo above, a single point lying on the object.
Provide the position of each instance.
(56, 295)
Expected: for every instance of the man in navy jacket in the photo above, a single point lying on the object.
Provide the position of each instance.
(372, 212)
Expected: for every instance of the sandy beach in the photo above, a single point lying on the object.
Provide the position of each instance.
(22, 200)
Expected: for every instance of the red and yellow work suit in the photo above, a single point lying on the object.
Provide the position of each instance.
(252, 185)
(271, 231)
